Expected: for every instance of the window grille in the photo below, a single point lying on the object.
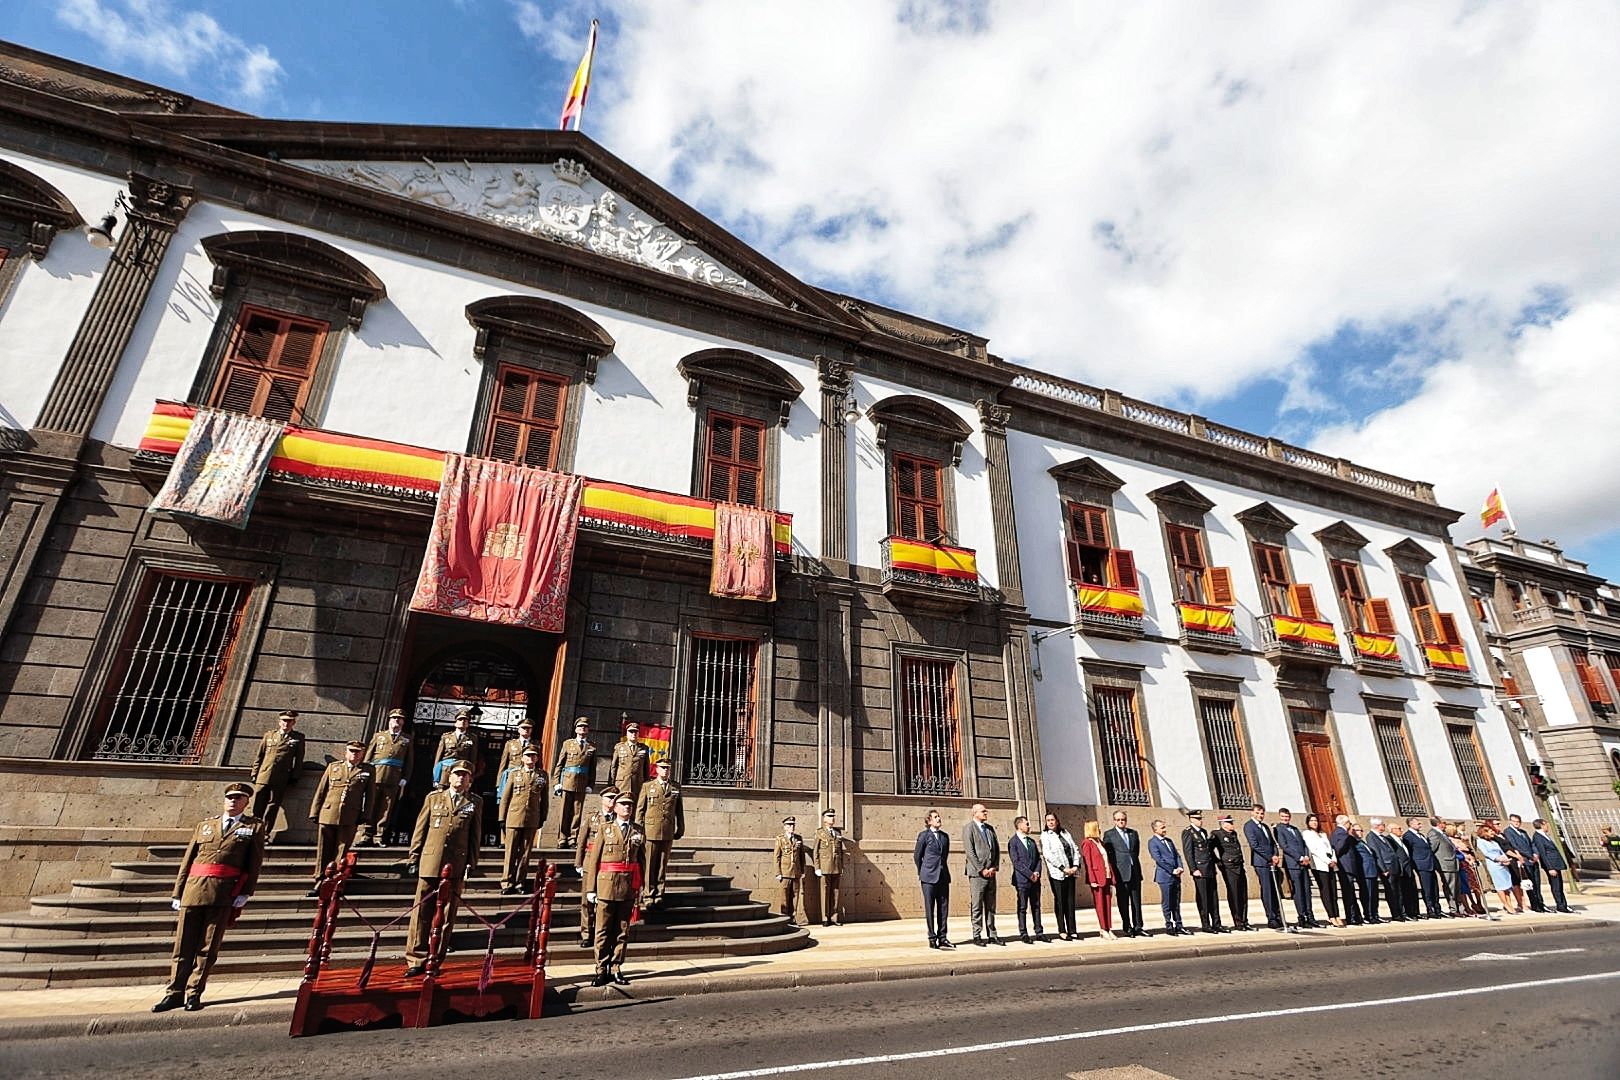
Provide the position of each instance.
(270, 365)
(1123, 769)
(720, 712)
(169, 671)
(1226, 761)
(1465, 748)
(932, 738)
(1397, 755)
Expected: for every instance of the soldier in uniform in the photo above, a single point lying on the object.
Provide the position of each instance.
(1229, 854)
(448, 831)
(789, 857)
(576, 768)
(829, 864)
(389, 754)
(587, 840)
(662, 818)
(628, 768)
(612, 873)
(275, 767)
(457, 744)
(1199, 851)
(341, 802)
(217, 875)
(523, 810)
(512, 754)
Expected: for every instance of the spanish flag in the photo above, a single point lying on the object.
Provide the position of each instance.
(1495, 509)
(574, 105)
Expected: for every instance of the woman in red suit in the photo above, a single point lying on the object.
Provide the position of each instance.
(1100, 876)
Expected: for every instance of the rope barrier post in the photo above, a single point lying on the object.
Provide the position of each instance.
(436, 937)
(531, 940)
(542, 940)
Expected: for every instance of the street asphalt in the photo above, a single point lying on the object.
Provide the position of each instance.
(1541, 1005)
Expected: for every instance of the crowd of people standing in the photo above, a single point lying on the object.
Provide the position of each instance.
(1354, 874)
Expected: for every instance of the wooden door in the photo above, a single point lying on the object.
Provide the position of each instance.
(1322, 785)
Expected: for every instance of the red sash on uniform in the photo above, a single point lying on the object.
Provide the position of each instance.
(634, 870)
(214, 869)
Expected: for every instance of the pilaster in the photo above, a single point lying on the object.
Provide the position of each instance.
(993, 420)
(835, 760)
(835, 386)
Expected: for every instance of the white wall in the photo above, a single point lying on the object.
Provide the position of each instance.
(1547, 683)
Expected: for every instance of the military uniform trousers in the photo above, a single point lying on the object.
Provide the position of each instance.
(384, 797)
(655, 869)
(197, 936)
(519, 846)
(332, 842)
(420, 934)
(787, 894)
(612, 932)
(1237, 894)
(573, 802)
(832, 898)
(267, 800)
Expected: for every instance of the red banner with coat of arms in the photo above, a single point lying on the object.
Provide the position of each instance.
(502, 545)
(744, 565)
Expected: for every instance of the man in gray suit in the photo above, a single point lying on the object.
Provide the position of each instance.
(983, 860)
(1445, 855)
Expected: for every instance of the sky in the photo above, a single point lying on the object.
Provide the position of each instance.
(1387, 231)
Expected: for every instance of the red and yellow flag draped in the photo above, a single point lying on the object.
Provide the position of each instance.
(574, 104)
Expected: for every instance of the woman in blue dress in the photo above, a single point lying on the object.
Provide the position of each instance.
(1500, 867)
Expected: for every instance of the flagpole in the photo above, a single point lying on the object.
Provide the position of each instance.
(579, 88)
(1507, 514)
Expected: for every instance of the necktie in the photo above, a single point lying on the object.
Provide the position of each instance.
(230, 823)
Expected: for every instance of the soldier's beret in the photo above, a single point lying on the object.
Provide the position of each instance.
(790, 820)
(531, 751)
(355, 745)
(624, 799)
(238, 789)
(392, 713)
(288, 714)
(463, 767)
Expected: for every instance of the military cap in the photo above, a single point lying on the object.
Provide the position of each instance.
(400, 713)
(628, 724)
(582, 721)
(790, 820)
(355, 745)
(531, 751)
(1195, 813)
(625, 799)
(239, 788)
(829, 813)
(609, 791)
(288, 714)
(663, 759)
(526, 722)
(466, 712)
(460, 768)
(1226, 817)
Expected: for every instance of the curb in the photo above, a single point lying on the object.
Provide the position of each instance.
(659, 986)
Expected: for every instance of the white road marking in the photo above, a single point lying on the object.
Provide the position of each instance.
(1133, 1029)
(1517, 956)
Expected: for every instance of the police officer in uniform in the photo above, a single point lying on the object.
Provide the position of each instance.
(1199, 851)
(341, 801)
(1229, 856)
(448, 831)
(576, 769)
(789, 857)
(217, 875)
(663, 820)
(589, 831)
(389, 753)
(512, 753)
(275, 767)
(612, 868)
(522, 810)
(828, 858)
(629, 766)
(457, 744)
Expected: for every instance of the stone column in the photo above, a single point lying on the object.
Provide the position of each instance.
(835, 758)
(1028, 780)
(993, 420)
(156, 208)
(835, 385)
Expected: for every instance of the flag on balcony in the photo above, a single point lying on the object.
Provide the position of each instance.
(1207, 619)
(1306, 630)
(1375, 646)
(502, 545)
(1495, 509)
(574, 103)
(1107, 600)
(743, 566)
(219, 468)
(657, 739)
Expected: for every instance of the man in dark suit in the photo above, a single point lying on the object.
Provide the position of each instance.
(1296, 859)
(934, 874)
(1024, 854)
(1125, 856)
(1267, 861)
(1167, 875)
(1200, 856)
(1405, 871)
(1386, 861)
(1424, 864)
(983, 854)
(1553, 862)
(1516, 836)
(1348, 860)
(1229, 856)
(1371, 873)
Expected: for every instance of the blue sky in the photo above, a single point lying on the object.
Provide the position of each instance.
(1381, 233)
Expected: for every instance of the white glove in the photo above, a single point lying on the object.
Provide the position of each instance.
(557, 790)
(779, 877)
(589, 790)
(174, 905)
(819, 874)
(590, 898)
(239, 902)
(402, 784)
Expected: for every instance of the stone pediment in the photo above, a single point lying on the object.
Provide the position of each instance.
(560, 201)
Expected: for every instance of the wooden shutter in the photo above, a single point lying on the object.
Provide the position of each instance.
(735, 462)
(1185, 548)
(1218, 586)
(1302, 598)
(1380, 617)
(525, 417)
(269, 365)
(1591, 681)
(919, 509)
(1448, 628)
(1428, 625)
(1122, 570)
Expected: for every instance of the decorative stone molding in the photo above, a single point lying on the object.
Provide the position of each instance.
(993, 417)
(37, 208)
(1410, 551)
(1265, 522)
(835, 376)
(922, 417)
(301, 260)
(552, 326)
(1086, 472)
(743, 372)
(158, 201)
(1341, 535)
(1182, 495)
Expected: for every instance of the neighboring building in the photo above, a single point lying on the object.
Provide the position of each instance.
(1553, 628)
(540, 301)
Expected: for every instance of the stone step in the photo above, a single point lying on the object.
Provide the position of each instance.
(369, 883)
(372, 861)
(235, 963)
(173, 853)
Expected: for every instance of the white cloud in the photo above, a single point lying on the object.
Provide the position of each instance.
(1174, 199)
(176, 42)
(560, 33)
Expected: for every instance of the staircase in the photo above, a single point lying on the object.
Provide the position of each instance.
(120, 929)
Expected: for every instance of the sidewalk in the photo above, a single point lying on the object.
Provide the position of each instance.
(860, 952)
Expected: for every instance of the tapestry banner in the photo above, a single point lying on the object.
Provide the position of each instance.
(743, 567)
(219, 468)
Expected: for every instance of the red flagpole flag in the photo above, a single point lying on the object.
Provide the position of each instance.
(574, 104)
(1495, 510)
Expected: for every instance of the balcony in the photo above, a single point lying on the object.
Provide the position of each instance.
(1376, 654)
(1108, 610)
(1285, 637)
(404, 474)
(1447, 663)
(930, 575)
(1208, 628)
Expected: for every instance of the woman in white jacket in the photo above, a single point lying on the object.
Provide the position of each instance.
(1062, 857)
(1324, 866)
